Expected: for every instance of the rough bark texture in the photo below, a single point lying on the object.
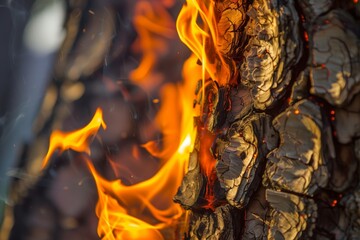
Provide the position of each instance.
(241, 155)
(192, 185)
(272, 50)
(298, 164)
(219, 224)
(287, 145)
(334, 47)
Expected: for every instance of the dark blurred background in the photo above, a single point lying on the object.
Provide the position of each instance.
(59, 61)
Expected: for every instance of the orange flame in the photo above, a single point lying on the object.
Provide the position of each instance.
(196, 26)
(76, 140)
(207, 164)
(153, 23)
(140, 211)
(121, 207)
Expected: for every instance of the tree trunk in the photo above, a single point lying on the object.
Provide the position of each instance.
(286, 132)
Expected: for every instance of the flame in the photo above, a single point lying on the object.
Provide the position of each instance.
(76, 140)
(196, 26)
(120, 208)
(207, 164)
(153, 23)
(140, 211)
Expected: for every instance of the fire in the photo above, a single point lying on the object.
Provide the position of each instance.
(143, 210)
(207, 164)
(138, 211)
(76, 140)
(120, 208)
(153, 24)
(196, 25)
(197, 28)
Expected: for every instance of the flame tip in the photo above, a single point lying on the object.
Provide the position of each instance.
(76, 140)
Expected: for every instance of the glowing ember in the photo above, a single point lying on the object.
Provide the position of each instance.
(207, 163)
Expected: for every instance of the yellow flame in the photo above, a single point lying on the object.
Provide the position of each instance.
(185, 144)
(75, 140)
(120, 208)
(142, 210)
(196, 26)
(138, 211)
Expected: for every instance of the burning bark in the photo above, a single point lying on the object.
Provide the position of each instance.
(285, 130)
(273, 138)
(256, 214)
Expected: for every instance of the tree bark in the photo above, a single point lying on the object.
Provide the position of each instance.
(287, 133)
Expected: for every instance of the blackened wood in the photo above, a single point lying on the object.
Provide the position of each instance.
(299, 163)
(291, 216)
(256, 218)
(221, 224)
(302, 57)
(215, 103)
(193, 185)
(335, 57)
(273, 49)
(242, 159)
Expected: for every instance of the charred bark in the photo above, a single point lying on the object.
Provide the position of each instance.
(222, 223)
(287, 135)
